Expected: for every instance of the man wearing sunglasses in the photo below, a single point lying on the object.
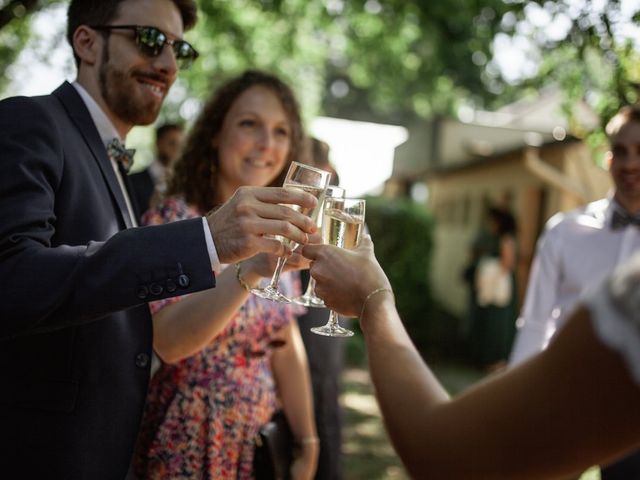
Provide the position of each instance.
(75, 330)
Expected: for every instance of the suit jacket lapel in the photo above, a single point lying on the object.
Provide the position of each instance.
(78, 112)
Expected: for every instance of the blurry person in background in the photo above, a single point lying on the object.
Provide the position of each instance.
(581, 247)
(152, 181)
(495, 293)
(229, 358)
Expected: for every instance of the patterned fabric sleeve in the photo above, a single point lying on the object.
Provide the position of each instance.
(171, 209)
(615, 313)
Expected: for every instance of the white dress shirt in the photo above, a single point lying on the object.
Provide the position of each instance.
(108, 132)
(614, 306)
(577, 250)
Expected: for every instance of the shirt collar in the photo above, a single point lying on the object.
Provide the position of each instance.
(105, 128)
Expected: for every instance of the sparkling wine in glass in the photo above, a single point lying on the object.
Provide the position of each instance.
(342, 226)
(309, 299)
(314, 181)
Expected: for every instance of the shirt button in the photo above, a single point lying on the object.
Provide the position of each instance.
(171, 286)
(143, 292)
(155, 289)
(183, 281)
(142, 360)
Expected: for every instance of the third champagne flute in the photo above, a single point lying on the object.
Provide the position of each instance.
(342, 227)
(309, 299)
(311, 180)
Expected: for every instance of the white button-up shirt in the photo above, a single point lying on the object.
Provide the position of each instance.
(108, 132)
(577, 250)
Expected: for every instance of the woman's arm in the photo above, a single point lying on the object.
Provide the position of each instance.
(185, 327)
(293, 383)
(508, 253)
(570, 407)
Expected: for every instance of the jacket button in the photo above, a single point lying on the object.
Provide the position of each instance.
(171, 286)
(143, 292)
(183, 281)
(155, 289)
(142, 360)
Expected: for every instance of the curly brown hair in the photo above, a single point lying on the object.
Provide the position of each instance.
(195, 172)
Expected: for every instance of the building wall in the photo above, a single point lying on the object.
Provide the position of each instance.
(458, 200)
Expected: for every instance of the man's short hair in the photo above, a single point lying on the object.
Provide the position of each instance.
(101, 12)
(628, 113)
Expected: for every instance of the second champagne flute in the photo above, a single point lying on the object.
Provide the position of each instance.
(311, 180)
(309, 299)
(342, 227)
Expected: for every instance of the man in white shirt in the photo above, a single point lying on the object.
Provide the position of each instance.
(580, 248)
(75, 328)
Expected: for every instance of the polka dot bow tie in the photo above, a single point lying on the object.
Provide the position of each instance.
(122, 155)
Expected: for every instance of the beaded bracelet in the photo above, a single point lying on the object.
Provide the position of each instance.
(371, 294)
(240, 280)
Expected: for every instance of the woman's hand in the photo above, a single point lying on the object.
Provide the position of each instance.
(264, 264)
(344, 278)
(305, 462)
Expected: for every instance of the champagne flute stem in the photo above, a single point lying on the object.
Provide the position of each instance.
(311, 288)
(275, 278)
(333, 318)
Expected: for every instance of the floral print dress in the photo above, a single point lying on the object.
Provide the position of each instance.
(203, 413)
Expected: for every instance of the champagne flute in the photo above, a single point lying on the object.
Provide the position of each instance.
(309, 299)
(311, 180)
(341, 226)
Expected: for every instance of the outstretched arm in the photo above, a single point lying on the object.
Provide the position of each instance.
(573, 405)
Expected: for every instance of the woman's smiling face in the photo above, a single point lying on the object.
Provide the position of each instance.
(254, 141)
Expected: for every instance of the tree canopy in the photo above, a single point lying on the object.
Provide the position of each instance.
(397, 60)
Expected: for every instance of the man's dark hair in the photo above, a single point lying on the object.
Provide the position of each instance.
(627, 114)
(101, 12)
(167, 127)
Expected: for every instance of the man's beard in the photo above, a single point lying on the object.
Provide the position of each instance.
(119, 95)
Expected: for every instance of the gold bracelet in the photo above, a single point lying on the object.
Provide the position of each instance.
(310, 440)
(240, 280)
(371, 294)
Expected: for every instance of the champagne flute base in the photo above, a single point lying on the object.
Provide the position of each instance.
(271, 293)
(309, 301)
(332, 331)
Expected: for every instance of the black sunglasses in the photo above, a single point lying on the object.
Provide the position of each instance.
(151, 41)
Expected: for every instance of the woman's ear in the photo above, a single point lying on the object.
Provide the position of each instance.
(87, 44)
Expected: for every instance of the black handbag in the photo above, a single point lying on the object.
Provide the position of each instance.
(273, 451)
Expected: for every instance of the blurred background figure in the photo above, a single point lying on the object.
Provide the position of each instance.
(230, 359)
(581, 247)
(494, 292)
(169, 138)
(325, 354)
(318, 156)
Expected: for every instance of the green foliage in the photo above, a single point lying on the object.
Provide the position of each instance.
(395, 60)
(402, 232)
(593, 61)
(385, 61)
(12, 38)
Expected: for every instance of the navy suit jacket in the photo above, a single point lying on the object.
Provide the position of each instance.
(75, 329)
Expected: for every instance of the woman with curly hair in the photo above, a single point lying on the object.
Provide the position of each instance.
(229, 359)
